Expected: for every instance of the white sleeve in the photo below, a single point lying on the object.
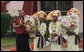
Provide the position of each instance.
(26, 18)
(43, 30)
(58, 28)
(77, 30)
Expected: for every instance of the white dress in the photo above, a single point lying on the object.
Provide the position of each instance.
(71, 39)
(42, 29)
(54, 45)
(71, 46)
(71, 42)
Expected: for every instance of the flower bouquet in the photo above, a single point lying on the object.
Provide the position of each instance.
(68, 24)
(36, 21)
(29, 27)
(32, 25)
(53, 34)
(53, 37)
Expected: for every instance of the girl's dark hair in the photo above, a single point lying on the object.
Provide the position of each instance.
(20, 11)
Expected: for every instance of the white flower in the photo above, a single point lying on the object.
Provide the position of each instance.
(65, 22)
(75, 18)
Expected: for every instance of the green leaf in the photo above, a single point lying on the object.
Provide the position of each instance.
(5, 22)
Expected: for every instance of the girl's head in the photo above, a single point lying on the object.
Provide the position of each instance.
(53, 15)
(41, 15)
(74, 10)
(21, 13)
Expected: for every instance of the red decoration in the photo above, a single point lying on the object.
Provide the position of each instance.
(52, 37)
(13, 50)
(32, 46)
(32, 30)
(71, 25)
(29, 24)
(35, 21)
(28, 29)
(52, 33)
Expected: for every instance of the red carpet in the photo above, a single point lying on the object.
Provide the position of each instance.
(13, 50)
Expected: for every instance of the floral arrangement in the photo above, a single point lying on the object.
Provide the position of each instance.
(29, 27)
(32, 27)
(36, 21)
(69, 22)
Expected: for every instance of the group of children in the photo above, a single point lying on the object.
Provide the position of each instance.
(61, 28)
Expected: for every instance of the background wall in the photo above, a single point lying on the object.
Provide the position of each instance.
(14, 6)
(29, 7)
(79, 6)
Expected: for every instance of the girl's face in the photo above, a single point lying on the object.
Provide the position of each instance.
(22, 13)
(41, 19)
(41, 15)
(55, 18)
(72, 11)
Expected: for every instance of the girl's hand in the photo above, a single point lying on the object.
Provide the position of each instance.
(52, 37)
(52, 34)
(22, 24)
(70, 32)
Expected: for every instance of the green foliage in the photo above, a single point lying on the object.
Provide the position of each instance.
(5, 22)
(14, 16)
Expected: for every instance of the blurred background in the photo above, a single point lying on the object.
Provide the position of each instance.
(10, 10)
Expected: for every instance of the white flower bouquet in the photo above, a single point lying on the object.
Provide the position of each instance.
(68, 23)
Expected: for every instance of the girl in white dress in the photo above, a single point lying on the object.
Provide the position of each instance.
(53, 30)
(73, 39)
(39, 40)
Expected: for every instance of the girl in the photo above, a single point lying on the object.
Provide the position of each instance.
(53, 29)
(73, 39)
(39, 40)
